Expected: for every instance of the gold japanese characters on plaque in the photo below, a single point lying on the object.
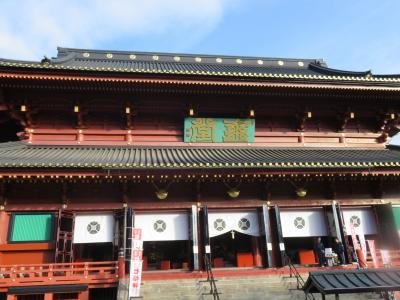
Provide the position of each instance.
(219, 130)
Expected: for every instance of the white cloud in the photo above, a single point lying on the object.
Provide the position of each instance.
(31, 28)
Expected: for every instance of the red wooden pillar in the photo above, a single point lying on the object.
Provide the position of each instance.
(83, 295)
(121, 267)
(11, 297)
(4, 218)
(255, 245)
(48, 296)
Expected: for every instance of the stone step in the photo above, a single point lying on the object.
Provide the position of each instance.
(238, 288)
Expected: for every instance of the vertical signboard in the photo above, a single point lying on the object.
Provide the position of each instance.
(135, 274)
(356, 245)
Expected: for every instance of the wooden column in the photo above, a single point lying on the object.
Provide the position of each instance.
(48, 296)
(195, 237)
(280, 241)
(11, 297)
(4, 220)
(268, 238)
(255, 247)
(83, 295)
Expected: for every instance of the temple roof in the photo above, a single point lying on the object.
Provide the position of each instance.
(22, 155)
(195, 64)
(353, 281)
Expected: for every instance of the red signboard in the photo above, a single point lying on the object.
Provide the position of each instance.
(135, 276)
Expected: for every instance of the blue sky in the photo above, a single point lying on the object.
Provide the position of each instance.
(352, 34)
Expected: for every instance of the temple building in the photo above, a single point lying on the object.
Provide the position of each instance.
(247, 159)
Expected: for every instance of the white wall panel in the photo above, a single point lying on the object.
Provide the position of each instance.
(362, 218)
(168, 226)
(220, 222)
(302, 223)
(94, 228)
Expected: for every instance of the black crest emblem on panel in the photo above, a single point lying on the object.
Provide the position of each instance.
(299, 223)
(219, 224)
(93, 227)
(160, 226)
(244, 224)
(355, 220)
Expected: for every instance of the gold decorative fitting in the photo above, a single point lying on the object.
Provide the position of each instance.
(301, 192)
(251, 113)
(2, 207)
(109, 55)
(218, 60)
(280, 62)
(124, 205)
(64, 206)
(127, 110)
(177, 58)
(352, 115)
(301, 64)
(23, 108)
(191, 112)
(85, 54)
(392, 116)
(197, 59)
(260, 62)
(132, 56)
(76, 108)
(309, 114)
(162, 194)
(155, 57)
(239, 61)
(233, 192)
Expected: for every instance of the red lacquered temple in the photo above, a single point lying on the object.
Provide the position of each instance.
(246, 158)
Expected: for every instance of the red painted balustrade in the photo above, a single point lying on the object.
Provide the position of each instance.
(91, 273)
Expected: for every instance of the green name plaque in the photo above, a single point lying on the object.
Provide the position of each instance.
(219, 130)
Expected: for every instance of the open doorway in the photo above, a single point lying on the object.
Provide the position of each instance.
(301, 249)
(232, 249)
(166, 255)
(166, 243)
(94, 252)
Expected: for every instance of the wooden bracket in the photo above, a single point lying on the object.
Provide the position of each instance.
(302, 119)
(388, 126)
(331, 190)
(124, 192)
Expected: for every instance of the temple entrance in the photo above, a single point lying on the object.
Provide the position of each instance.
(232, 249)
(94, 237)
(165, 255)
(300, 228)
(301, 249)
(234, 238)
(94, 252)
(363, 220)
(166, 244)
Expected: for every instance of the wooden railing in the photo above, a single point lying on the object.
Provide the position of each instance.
(105, 272)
